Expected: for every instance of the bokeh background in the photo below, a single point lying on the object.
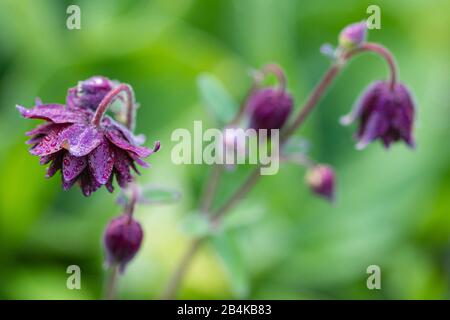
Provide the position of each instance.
(392, 208)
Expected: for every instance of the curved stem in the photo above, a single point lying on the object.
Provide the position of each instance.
(109, 99)
(278, 72)
(383, 52)
(129, 208)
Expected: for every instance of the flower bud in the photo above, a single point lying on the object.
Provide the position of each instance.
(122, 239)
(89, 93)
(269, 108)
(353, 36)
(321, 180)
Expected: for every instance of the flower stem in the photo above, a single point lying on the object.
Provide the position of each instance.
(383, 52)
(210, 188)
(109, 99)
(174, 282)
(111, 283)
(312, 100)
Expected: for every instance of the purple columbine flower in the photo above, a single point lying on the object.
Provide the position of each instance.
(122, 240)
(269, 108)
(87, 153)
(321, 179)
(354, 35)
(384, 112)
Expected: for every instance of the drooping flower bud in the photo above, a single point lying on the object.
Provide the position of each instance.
(122, 240)
(384, 112)
(89, 93)
(269, 108)
(321, 179)
(353, 36)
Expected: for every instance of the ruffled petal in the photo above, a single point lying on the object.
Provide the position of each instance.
(101, 162)
(56, 113)
(109, 184)
(72, 166)
(80, 139)
(363, 103)
(114, 125)
(55, 165)
(122, 165)
(68, 184)
(375, 127)
(50, 143)
(42, 129)
(120, 141)
(88, 184)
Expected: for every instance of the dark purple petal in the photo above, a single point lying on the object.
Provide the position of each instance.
(363, 103)
(80, 139)
(138, 160)
(50, 143)
(46, 159)
(68, 184)
(88, 183)
(55, 165)
(375, 127)
(35, 140)
(101, 162)
(56, 113)
(116, 126)
(42, 129)
(72, 166)
(109, 184)
(120, 141)
(122, 165)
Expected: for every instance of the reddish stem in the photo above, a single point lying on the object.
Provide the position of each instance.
(383, 52)
(109, 99)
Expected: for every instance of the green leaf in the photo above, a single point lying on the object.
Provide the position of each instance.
(216, 99)
(245, 215)
(231, 258)
(196, 224)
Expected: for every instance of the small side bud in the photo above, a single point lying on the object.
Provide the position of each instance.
(353, 36)
(321, 180)
(88, 93)
(122, 240)
(269, 108)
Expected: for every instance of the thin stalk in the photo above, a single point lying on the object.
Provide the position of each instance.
(111, 282)
(174, 283)
(109, 99)
(210, 188)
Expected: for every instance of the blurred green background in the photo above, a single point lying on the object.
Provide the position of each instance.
(392, 208)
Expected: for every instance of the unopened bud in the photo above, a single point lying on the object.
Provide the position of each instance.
(321, 180)
(123, 237)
